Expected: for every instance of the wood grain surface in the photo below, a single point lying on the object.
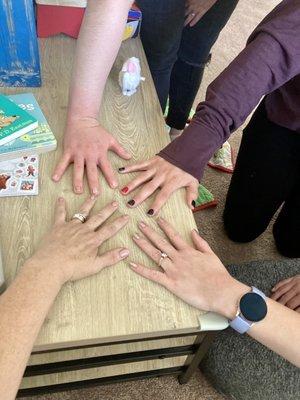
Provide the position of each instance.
(115, 304)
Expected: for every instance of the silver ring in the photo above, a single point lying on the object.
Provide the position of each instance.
(192, 14)
(162, 257)
(81, 217)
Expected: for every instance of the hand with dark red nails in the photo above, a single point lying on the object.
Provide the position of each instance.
(86, 145)
(155, 174)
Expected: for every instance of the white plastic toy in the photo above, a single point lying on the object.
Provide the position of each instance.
(130, 76)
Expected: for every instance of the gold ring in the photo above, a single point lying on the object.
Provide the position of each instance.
(162, 257)
(81, 217)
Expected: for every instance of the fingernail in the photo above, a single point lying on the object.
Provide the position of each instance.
(55, 177)
(150, 212)
(195, 230)
(95, 191)
(136, 236)
(161, 219)
(124, 253)
(125, 189)
(114, 185)
(131, 202)
(121, 169)
(114, 204)
(142, 224)
(61, 199)
(77, 189)
(193, 203)
(134, 265)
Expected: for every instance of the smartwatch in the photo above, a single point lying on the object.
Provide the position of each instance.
(252, 308)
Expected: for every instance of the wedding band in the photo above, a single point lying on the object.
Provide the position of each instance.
(81, 217)
(162, 257)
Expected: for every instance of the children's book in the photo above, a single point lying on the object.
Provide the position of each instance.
(19, 177)
(37, 141)
(14, 121)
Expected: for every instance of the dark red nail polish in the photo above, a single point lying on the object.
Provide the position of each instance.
(194, 203)
(125, 189)
(150, 212)
(122, 169)
(131, 202)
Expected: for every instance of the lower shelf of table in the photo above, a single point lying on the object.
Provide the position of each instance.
(70, 369)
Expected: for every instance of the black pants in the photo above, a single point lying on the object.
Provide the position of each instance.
(266, 176)
(177, 55)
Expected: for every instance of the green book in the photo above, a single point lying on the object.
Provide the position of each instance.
(14, 122)
(40, 140)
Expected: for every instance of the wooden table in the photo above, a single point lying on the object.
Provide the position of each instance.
(116, 325)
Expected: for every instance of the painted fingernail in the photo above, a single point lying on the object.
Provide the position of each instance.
(131, 202)
(114, 204)
(136, 236)
(193, 203)
(124, 190)
(133, 265)
(121, 169)
(124, 253)
(150, 212)
(142, 224)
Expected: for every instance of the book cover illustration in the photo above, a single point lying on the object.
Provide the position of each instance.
(19, 177)
(37, 141)
(14, 121)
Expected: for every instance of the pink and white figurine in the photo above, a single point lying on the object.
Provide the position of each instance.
(130, 76)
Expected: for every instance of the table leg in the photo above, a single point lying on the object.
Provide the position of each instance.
(194, 360)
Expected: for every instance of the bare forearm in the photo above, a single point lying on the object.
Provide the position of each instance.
(280, 331)
(23, 308)
(97, 47)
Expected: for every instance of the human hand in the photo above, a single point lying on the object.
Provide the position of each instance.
(158, 173)
(195, 274)
(287, 292)
(71, 248)
(86, 145)
(195, 9)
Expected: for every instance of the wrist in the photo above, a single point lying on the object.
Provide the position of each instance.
(43, 271)
(228, 300)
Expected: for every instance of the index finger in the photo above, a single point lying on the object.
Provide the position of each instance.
(174, 237)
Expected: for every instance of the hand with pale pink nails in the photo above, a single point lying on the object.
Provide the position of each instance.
(287, 292)
(86, 145)
(71, 247)
(193, 273)
(154, 174)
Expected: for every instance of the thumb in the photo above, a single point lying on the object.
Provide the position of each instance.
(119, 150)
(192, 194)
(200, 243)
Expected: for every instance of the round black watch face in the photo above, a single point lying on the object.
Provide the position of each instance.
(253, 307)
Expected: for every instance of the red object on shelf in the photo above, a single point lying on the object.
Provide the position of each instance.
(53, 20)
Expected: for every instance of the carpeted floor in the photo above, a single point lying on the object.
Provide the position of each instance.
(231, 41)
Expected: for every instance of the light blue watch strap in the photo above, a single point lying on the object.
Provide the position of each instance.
(241, 324)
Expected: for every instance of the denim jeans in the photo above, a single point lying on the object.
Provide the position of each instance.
(177, 55)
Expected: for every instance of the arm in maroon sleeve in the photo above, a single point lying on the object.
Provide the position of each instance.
(271, 58)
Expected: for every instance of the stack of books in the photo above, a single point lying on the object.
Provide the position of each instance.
(24, 133)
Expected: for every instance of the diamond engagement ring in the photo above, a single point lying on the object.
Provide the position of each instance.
(162, 257)
(81, 217)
